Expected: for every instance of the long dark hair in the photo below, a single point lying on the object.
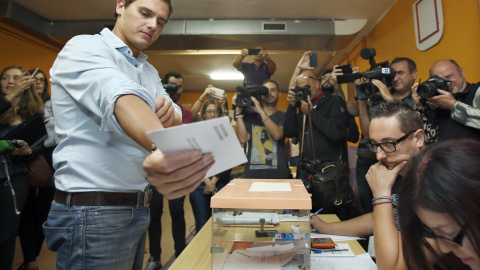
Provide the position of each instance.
(444, 178)
(28, 105)
(44, 96)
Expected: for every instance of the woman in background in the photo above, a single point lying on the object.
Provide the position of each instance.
(440, 198)
(211, 96)
(200, 197)
(13, 172)
(39, 200)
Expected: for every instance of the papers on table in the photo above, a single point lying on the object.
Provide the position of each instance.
(360, 262)
(215, 136)
(269, 187)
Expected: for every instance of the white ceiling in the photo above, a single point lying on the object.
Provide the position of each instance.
(197, 55)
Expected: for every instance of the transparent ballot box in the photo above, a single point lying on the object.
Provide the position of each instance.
(261, 224)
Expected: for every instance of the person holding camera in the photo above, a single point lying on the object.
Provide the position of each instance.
(258, 70)
(456, 102)
(174, 88)
(263, 131)
(175, 81)
(308, 103)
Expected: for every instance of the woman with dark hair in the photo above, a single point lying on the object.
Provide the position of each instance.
(13, 170)
(440, 198)
(38, 203)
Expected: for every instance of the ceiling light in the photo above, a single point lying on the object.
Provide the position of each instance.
(227, 76)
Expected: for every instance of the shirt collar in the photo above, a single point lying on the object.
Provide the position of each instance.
(117, 43)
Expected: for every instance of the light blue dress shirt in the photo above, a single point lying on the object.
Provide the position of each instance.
(94, 153)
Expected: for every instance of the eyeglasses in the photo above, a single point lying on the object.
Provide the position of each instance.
(457, 240)
(212, 112)
(42, 80)
(327, 78)
(388, 147)
(301, 76)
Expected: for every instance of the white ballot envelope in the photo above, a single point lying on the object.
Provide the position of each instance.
(218, 93)
(215, 136)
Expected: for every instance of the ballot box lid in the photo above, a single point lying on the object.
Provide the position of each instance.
(238, 194)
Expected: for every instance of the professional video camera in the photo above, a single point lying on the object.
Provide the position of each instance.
(380, 71)
(429, 87)
(244, 98)
(171, 88)
(301, 93)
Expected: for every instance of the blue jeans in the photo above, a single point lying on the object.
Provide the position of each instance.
(97, 237)
(201, 204)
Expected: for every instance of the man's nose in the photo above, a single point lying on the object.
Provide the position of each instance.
(381, 155)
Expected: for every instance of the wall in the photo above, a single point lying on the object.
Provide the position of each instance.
(394, 36)
(25, 49)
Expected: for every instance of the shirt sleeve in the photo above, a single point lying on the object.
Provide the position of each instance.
(466, 114)
(91, 74)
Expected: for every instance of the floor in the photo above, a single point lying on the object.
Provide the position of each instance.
(46, 260)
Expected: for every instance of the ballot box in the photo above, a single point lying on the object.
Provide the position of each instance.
(261, 224)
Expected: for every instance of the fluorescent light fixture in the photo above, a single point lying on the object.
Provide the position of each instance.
(227, 76)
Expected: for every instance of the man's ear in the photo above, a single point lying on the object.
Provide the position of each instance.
(414, 74)
(120, 7)
(420, 138)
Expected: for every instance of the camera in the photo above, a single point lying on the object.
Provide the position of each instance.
(244, 98)
(301, 93)
(380, 71)
(170, 88)
(307, 166)
(429, 87)
(254, 51)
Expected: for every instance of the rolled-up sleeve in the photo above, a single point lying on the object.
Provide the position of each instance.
(95, 80)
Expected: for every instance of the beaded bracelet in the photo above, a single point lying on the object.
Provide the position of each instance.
(265, 118)
(375, 203)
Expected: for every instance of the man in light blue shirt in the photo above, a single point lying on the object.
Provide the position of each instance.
(105, 97)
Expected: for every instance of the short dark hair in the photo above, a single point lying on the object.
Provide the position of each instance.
(128, 2)
(271, 81)
(172, 74)
(406, 116)
(411, 64)
(444, 178)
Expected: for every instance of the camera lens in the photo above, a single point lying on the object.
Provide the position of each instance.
(426, 90)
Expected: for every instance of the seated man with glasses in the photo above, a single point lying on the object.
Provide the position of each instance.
(263, 131)
(396, 136)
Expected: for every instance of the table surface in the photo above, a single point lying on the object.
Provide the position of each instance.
(197, 253)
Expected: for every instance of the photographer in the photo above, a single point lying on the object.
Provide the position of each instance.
(260, 69)
(456, 102)
(209, 94)
(328, 118)
(174, 88)
(263, 130)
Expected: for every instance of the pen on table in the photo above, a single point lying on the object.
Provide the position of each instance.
(316, 213)
(329, 250)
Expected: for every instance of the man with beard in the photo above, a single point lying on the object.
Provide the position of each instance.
(263, 130)
(176, 78)
(328, 117)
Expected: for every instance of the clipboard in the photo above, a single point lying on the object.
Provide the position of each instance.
(32, 131)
